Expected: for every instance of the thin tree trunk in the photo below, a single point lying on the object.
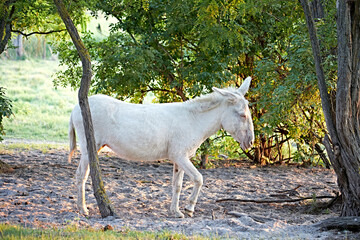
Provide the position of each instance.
(18, 43)
(44, 48)
(205, 146)
(5, 23)
(102, 199)
(344, 147)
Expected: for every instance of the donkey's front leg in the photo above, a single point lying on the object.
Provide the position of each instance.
(198, 182)
(197, 178)
(178, 175)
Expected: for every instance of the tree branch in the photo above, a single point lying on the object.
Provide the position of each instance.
(41, 33)
(325, 98)
(5, 25)
(157, 90)
(272, 201)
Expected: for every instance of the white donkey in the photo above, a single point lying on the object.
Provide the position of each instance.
(162, 131)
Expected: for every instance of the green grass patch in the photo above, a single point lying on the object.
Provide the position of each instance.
(18, 232)
(44, 147)
(41, 112)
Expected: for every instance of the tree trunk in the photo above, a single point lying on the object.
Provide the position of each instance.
(44, 48)
(347, 105)
(18, 43)
(205, 146)
(5, 23)
(343, 125)
(102, 199)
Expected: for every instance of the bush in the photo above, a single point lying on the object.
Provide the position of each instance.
(5, 109)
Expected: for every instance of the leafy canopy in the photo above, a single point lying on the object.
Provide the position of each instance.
(180, 49)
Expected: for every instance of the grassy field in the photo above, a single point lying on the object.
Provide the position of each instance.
(72, 232)
(41, 112)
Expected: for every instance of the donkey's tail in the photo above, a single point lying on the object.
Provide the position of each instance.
(72, 138)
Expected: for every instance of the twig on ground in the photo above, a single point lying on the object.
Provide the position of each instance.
(256, 218)
(272, 200)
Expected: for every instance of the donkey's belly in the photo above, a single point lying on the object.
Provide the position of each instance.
(139, 152)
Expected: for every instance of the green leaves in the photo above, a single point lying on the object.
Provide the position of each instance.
(160, 46)
(5, 109)
(180, 49)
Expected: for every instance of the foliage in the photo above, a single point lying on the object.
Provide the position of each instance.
(5, 110)
(180, 49)
(168, 49)
(177, 50)
(287, 100)
(41, 16)
(28, 17)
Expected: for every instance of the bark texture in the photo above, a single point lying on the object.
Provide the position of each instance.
(343, 146)
(102, 199)
(348, 105)
(341, 223)
(6, 12)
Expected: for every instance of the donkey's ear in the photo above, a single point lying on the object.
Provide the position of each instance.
(230, 95)
(244, 88)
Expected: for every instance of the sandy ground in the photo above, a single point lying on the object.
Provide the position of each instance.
(41, 193)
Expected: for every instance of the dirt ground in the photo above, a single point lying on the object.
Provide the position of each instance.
(41, 193)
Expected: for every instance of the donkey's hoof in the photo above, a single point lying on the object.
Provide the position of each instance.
(189, 213)
(84, 212)
(177, 214)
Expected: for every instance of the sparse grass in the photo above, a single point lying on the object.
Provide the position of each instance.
(18, 232)
(44, 147)
(41, 112)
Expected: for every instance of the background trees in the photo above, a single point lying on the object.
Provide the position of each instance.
(39, 17)
(177, 50)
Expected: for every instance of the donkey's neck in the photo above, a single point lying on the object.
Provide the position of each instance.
(207, 117)
(211, 120)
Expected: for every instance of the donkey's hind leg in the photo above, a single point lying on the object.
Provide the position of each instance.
(82, 174)
(178, 175)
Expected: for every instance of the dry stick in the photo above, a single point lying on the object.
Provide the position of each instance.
(289, 190)
(272, 201)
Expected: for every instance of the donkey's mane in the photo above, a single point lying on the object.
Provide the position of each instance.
(208, 101)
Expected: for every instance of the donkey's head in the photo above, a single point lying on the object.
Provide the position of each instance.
(236, 118)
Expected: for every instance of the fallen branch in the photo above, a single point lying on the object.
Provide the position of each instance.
(340, 223)
(272, 200)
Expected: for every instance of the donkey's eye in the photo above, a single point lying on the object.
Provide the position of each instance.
(241, 114)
